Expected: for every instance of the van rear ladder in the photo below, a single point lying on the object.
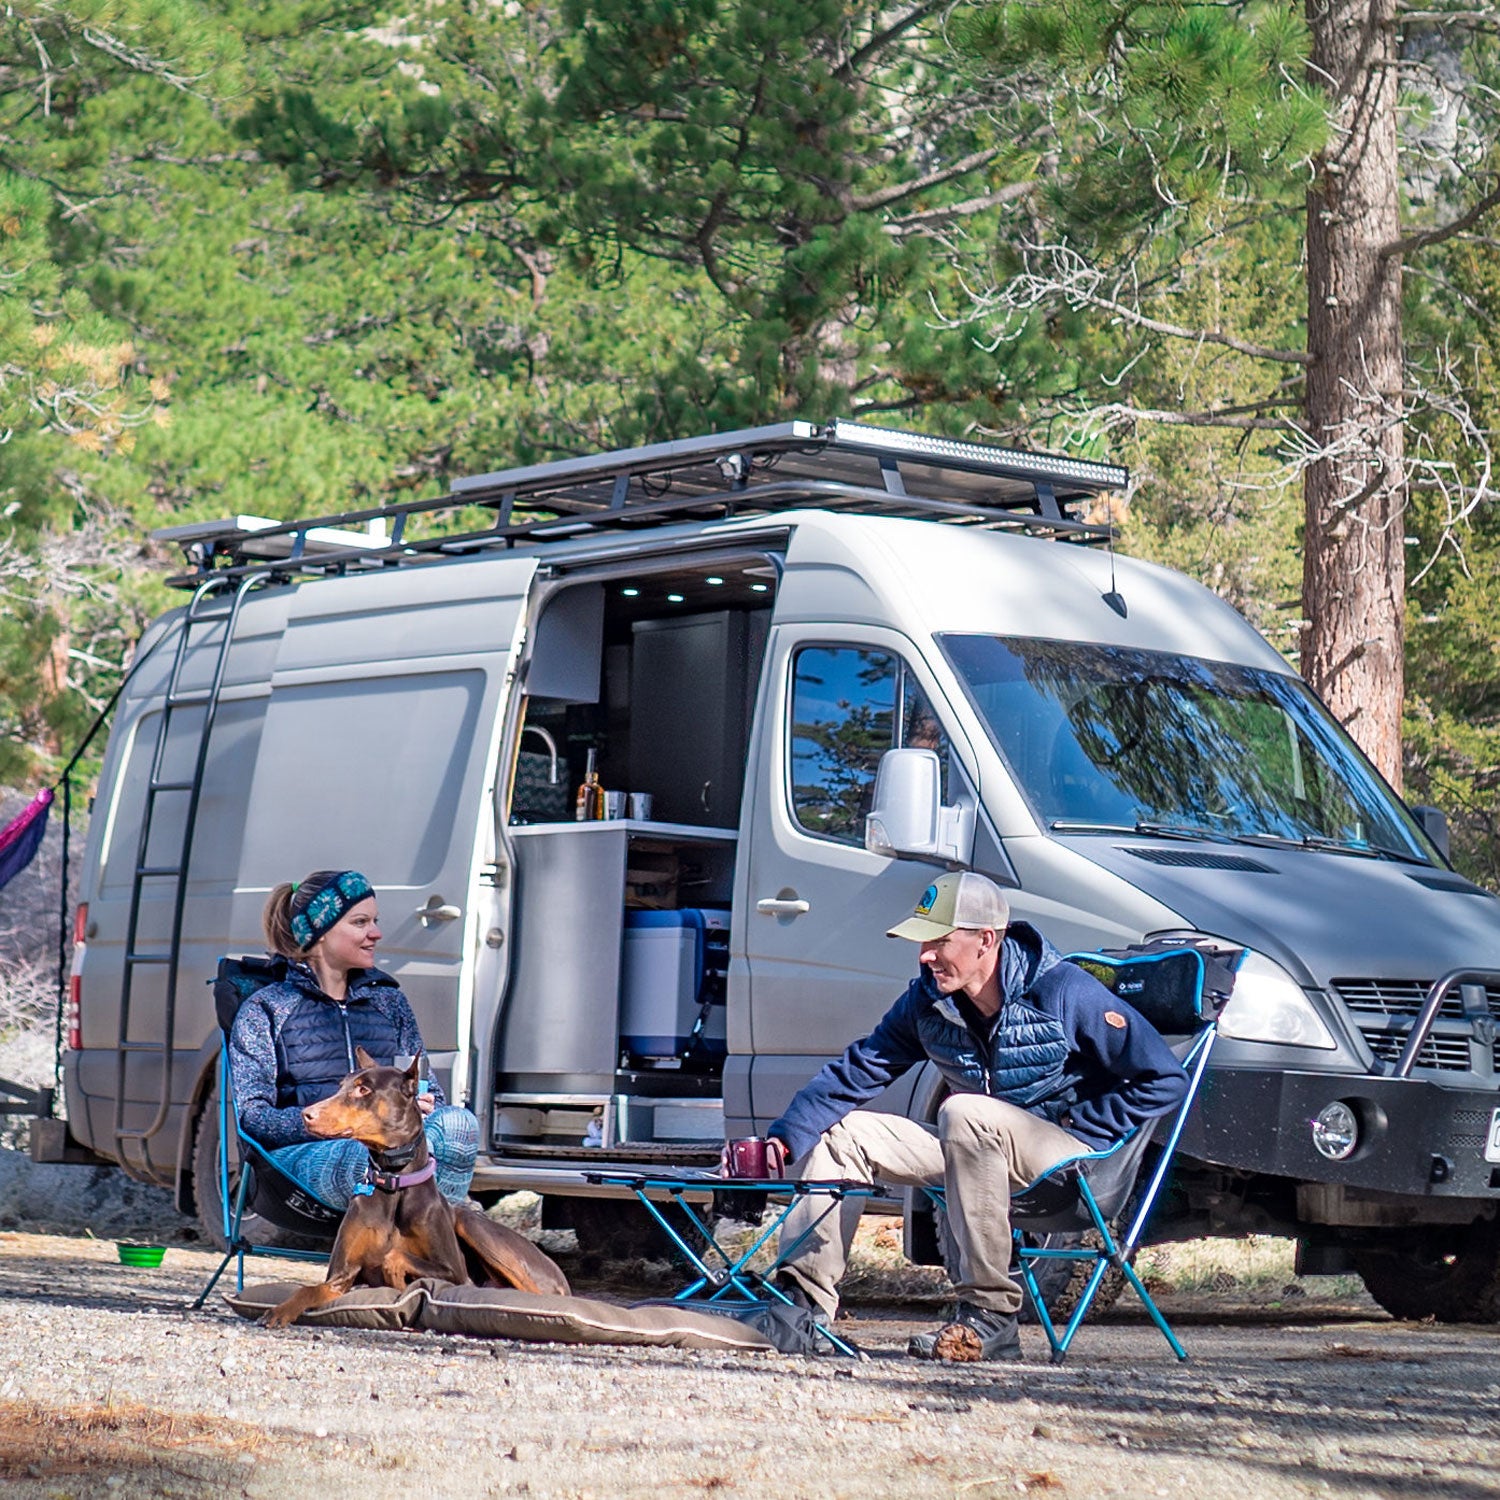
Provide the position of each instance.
(198, 624)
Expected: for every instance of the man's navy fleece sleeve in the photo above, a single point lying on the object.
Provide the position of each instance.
(866, 1067)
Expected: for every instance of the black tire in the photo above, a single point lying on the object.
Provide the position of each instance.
(206, 1191)
(1450, 1273)
(1061, 1281)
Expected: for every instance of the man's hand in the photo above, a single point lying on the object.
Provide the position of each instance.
(426, 1104)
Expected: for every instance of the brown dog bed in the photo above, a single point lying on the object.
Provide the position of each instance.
(498, 1313)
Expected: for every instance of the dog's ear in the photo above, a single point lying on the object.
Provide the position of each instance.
(364, 1059)
(414, 1072)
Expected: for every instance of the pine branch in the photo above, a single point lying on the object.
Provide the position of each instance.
(1436, 236)
(851, 65)
(1117, 413)
(899, 190)
(1196, 335)
(967, 208)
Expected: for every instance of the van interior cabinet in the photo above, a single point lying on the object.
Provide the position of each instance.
(690, 682)
(560, 1032)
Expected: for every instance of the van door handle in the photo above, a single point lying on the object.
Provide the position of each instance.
(438, 910)
(780, 906)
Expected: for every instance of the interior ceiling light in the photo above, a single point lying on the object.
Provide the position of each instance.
(630, 593)
(759, 588)
(674, 598)
(714, 581)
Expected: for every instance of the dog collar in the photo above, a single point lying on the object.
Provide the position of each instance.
(391, 1182)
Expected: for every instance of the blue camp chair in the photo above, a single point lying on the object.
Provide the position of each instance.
(259, 1187)
(1181, 992)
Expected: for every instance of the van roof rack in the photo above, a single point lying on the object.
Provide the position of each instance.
(841, 465)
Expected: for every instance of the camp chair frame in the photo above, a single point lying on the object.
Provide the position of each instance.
(1083, 1193)
(1110, 1252)
(264, 1187)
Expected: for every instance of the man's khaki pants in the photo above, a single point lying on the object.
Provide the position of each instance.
(981, 1150)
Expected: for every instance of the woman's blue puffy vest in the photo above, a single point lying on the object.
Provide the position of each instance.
(315, 1045)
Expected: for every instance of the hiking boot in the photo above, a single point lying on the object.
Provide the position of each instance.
(971, 1333)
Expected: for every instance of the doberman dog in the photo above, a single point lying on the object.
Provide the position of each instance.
(399, 1227)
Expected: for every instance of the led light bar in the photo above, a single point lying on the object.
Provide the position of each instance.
(1012, 461)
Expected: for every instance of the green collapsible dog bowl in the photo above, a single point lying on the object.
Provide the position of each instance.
(140, 1255)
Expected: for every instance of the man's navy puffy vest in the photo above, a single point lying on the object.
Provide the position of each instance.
(316, 1043)
(1026, 1058)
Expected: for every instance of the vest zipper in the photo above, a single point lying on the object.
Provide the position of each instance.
(348, 1040)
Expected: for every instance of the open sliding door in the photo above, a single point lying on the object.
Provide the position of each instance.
(378, 754)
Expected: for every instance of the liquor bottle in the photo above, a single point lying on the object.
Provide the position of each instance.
(588, 806)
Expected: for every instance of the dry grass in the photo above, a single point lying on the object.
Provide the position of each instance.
(44, 1442)
(1259, 1268)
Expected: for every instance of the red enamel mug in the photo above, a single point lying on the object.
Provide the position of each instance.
(750, 1159)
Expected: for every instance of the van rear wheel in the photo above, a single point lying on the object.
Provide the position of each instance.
(611, 1229)
(1448, 1273)
(1062, 1281)
(209, 1194)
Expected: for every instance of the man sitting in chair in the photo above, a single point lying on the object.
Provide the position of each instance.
(1043, 1064)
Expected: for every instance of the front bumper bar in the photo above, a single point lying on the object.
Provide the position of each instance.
(1416, 1136)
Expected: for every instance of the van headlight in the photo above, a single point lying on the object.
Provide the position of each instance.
(1268, 1005)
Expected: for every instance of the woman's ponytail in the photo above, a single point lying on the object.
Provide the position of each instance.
(276, 921)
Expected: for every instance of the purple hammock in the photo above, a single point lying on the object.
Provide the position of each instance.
(22, 837)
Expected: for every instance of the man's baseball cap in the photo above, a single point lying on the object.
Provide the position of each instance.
(959, 899)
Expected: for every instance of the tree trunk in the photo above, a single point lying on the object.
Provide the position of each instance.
(1354, 568)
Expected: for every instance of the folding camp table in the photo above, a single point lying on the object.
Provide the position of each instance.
(723, 1275)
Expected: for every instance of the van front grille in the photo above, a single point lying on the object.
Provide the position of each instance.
(1394, 997)
(1450, 1054)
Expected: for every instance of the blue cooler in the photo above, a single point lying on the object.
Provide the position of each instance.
(674, 962)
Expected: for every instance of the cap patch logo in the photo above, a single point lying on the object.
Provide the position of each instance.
(928, 901)
(1115, 1019)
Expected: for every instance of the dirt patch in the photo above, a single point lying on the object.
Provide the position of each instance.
(1282, 1397)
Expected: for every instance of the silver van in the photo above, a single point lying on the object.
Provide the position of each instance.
(812, 663)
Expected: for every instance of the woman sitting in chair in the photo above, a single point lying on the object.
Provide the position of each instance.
(293, 1042)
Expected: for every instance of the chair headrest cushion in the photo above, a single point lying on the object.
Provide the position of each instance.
(1174, 986)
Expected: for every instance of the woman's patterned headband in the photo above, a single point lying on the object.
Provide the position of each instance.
(327, 905)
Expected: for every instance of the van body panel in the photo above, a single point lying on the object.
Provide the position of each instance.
(997, 584)
(818, 980)
(365, 743)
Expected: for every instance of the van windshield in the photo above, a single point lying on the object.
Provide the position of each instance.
(1108, 739)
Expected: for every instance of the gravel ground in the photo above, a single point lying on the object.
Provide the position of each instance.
(109, 1386)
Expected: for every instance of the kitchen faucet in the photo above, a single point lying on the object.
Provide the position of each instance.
(551, 749)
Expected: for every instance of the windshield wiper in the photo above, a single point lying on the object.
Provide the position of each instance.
(1143, 829)
(1323, 843)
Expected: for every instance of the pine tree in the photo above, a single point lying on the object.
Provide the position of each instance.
(1199, 129)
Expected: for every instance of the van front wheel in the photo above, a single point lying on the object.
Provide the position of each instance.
(1061, 1282)
(1449, 1273)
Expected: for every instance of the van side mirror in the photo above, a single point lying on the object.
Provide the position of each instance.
(908, 818)
(1434, 823)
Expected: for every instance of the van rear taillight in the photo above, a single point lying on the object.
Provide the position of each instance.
(74, 1013)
